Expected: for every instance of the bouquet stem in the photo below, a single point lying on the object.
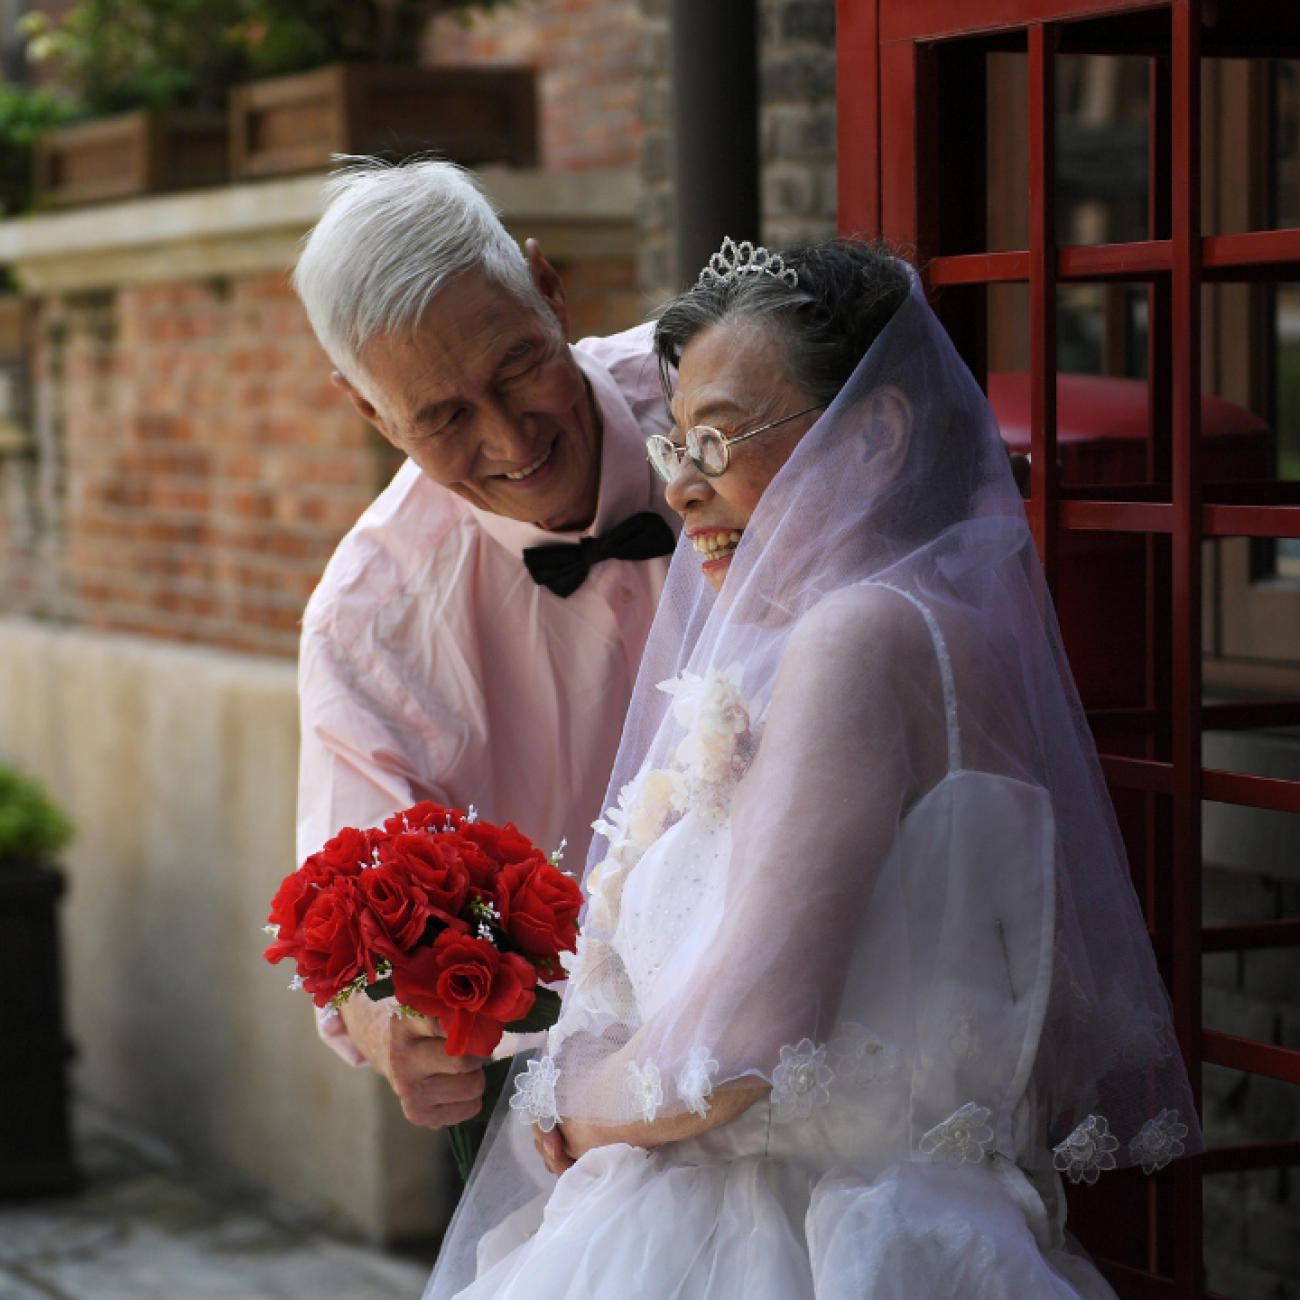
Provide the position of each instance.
(467, 1136)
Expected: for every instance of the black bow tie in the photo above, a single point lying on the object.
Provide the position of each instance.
(564, 566)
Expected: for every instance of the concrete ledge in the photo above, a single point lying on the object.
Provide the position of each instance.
(256, 227)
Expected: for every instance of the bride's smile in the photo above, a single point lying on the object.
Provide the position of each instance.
(745, 415)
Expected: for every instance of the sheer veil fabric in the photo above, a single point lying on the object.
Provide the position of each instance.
(858, 849)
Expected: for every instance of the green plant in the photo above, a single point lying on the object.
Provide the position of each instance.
(31, 825)
(115, 55)
(24, 115)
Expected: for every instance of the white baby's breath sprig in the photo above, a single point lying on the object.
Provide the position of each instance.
(558, 856)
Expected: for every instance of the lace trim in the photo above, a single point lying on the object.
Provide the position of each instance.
(1087, 1151)
(801, 1081)
(695, 1082)
(645, 1090)
(1158, 1142)
(963, 1138)
(534, 1098)
(861, 1057)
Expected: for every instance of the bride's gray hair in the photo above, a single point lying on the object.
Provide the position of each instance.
(846, 294)
(391, 237)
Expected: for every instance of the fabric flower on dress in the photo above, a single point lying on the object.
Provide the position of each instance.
(1087, 1151)
(801, 1081)
(963, 1138)
(534, 1098)
(861, 1057)
(662, 802)
(644, 1090)
(695, 1082)
(1158, 1141)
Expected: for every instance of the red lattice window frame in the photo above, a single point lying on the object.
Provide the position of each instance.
(912, 83)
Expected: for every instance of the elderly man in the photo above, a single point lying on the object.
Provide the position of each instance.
(457, 648)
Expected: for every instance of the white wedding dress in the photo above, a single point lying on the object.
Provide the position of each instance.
(872, 1170)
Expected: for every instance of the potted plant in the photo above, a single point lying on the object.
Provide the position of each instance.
(367, 96)
(153, 79)
(35, 1153)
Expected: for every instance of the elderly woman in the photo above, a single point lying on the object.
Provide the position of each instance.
(862, 973)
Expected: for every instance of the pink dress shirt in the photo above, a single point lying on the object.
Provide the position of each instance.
(433, 667)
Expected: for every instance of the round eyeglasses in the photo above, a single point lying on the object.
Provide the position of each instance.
(709, 450)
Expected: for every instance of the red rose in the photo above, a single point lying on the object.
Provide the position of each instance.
(424, 815)
(543, 912)
(297, 892)
(473, 989)
(432, 864)
(349, 853)
(334, 951)
(504, 844)
(395, 912)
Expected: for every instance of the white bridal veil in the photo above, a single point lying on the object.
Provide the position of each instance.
(856, 901)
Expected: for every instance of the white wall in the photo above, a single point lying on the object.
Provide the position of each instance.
(179, 766)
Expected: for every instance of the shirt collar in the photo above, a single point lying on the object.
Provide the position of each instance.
(628, 484)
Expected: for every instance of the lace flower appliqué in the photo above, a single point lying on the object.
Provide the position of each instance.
(961, 1139)
(1158, 1141)
(801, 1081)
(721, 735)
(695, 1082)
(860, 1056)
(534, 1098)
(644, 1090)
(1087, 1151)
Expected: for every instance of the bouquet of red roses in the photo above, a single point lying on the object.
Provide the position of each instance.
(452, 916)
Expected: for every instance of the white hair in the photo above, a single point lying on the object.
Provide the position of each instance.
(391, 237)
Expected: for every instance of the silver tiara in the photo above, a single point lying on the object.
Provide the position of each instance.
(735, 260)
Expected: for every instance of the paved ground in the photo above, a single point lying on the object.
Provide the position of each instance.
(144, 1230)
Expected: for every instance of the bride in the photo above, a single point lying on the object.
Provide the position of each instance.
(862, 976)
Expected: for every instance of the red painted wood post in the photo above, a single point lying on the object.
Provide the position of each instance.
(1185, 695)
(1044, 485)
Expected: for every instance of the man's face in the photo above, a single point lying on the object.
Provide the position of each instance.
(485, 397)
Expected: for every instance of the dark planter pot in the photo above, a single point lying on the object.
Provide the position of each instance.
(144, 152)
(296, 124)
(35, 1150)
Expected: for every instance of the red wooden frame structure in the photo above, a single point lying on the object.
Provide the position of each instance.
(912, 147)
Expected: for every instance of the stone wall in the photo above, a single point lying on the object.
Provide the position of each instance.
(1252, 1220)
(179, 766)
(796, 133)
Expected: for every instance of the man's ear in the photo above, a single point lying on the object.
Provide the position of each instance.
(548, 283)
(889, 413)
(363, 404)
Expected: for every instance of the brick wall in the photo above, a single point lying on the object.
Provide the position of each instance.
(586, 53)
(197, 466)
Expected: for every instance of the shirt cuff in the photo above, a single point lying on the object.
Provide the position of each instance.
(334, 1034)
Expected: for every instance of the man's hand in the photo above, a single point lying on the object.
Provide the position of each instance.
(410, 1052)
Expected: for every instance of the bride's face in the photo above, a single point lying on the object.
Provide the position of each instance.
(733, 378)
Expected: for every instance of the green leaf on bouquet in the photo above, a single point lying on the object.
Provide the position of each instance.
(545, 1012)
(379, 990)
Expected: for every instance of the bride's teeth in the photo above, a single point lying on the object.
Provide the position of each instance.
(717, 545)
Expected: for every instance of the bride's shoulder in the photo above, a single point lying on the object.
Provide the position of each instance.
(863, 619)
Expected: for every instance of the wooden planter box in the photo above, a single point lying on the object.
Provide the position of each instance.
(35, 1152)
(469, 115)
(137, 153)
